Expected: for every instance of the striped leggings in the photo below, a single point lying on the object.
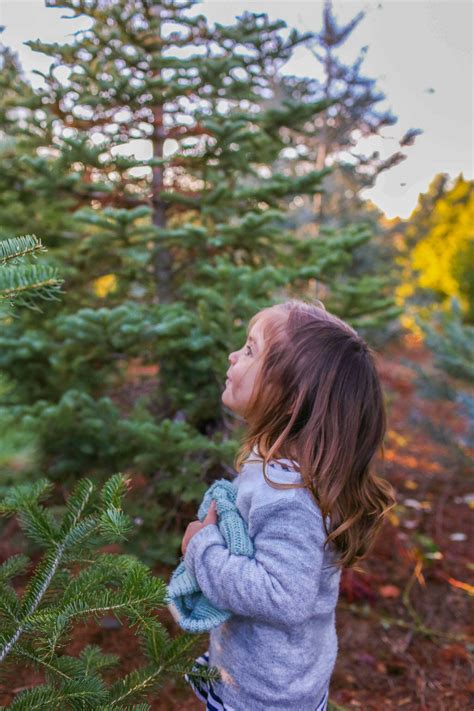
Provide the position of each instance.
(206, 692)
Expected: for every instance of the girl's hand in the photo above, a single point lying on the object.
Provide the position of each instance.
(195, 526)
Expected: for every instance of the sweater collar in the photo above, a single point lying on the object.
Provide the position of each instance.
(282, 463)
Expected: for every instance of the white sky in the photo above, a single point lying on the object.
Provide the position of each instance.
(414, 45)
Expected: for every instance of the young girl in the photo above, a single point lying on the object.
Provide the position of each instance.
(307, 387)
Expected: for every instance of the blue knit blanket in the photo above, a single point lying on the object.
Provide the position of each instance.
(188, 605)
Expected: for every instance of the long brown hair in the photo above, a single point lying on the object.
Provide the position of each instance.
(317, 399)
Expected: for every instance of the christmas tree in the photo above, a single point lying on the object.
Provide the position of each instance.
(452, 342)
(75, 579)
(165, 256)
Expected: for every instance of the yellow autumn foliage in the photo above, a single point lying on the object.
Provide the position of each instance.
(442, 256)
(104, 285)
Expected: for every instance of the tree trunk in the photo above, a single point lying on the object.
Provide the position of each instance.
(162, 256)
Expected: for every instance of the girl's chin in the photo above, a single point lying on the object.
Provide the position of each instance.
(226, 398)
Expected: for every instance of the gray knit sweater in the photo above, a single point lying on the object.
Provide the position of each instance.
(277, 651)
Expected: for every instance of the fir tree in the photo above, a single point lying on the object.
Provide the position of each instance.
(166, 257)
(329, 139)
(452, 343)
(25, 128)
(355, 115)
(74, 579)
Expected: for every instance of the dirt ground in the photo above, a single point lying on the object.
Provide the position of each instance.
(405, 635)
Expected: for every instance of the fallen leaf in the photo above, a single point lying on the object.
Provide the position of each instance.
(455, 652)
(462, 586)
(389, 591)
(366, 658)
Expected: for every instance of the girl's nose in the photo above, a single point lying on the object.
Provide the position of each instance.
(232, 356)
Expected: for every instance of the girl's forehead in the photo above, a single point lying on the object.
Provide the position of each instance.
(258, 324)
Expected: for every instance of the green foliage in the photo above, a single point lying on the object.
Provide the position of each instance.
(166, 258)
(75, 580)
(21, 281)
(452, 344)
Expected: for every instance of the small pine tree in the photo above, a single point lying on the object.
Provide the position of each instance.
(74, 578)
(452, 344)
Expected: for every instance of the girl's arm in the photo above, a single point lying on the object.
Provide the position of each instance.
(280, 584)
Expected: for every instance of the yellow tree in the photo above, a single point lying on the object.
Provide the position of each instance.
(438, 254)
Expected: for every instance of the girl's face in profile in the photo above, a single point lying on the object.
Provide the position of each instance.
(244, 367)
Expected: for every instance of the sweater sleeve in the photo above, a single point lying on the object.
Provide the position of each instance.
(280, 584)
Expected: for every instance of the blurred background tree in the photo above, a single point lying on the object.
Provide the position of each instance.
(436, 253)
(451, 340)
(329, 140)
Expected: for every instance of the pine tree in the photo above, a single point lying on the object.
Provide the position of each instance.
(25, 128)
(329, 140)
(166, 257)
(355, 115)
(36, 624)
(451, 341)
(22, 283)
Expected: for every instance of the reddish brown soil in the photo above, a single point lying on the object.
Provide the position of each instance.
(403, 623)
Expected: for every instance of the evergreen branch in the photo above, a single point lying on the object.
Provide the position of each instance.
(114, 524)
(76, 503)
(39, 524)
(25, 282)
(81, 532)
(38, 698)
(23, 495)
(50, 626)
(94, 659)
(40, 662)
(13, 566)
(9, 603)
(18, 247)
(113, 490)
(32, 599)
(108, 568)
(180, 646)
(107, 601)
(135, 683)
(83, 693)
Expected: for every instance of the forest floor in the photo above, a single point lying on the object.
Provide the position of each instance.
(405, 636)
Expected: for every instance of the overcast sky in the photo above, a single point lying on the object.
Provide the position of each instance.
(415, 46)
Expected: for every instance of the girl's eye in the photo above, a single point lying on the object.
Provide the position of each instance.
(249, 349)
